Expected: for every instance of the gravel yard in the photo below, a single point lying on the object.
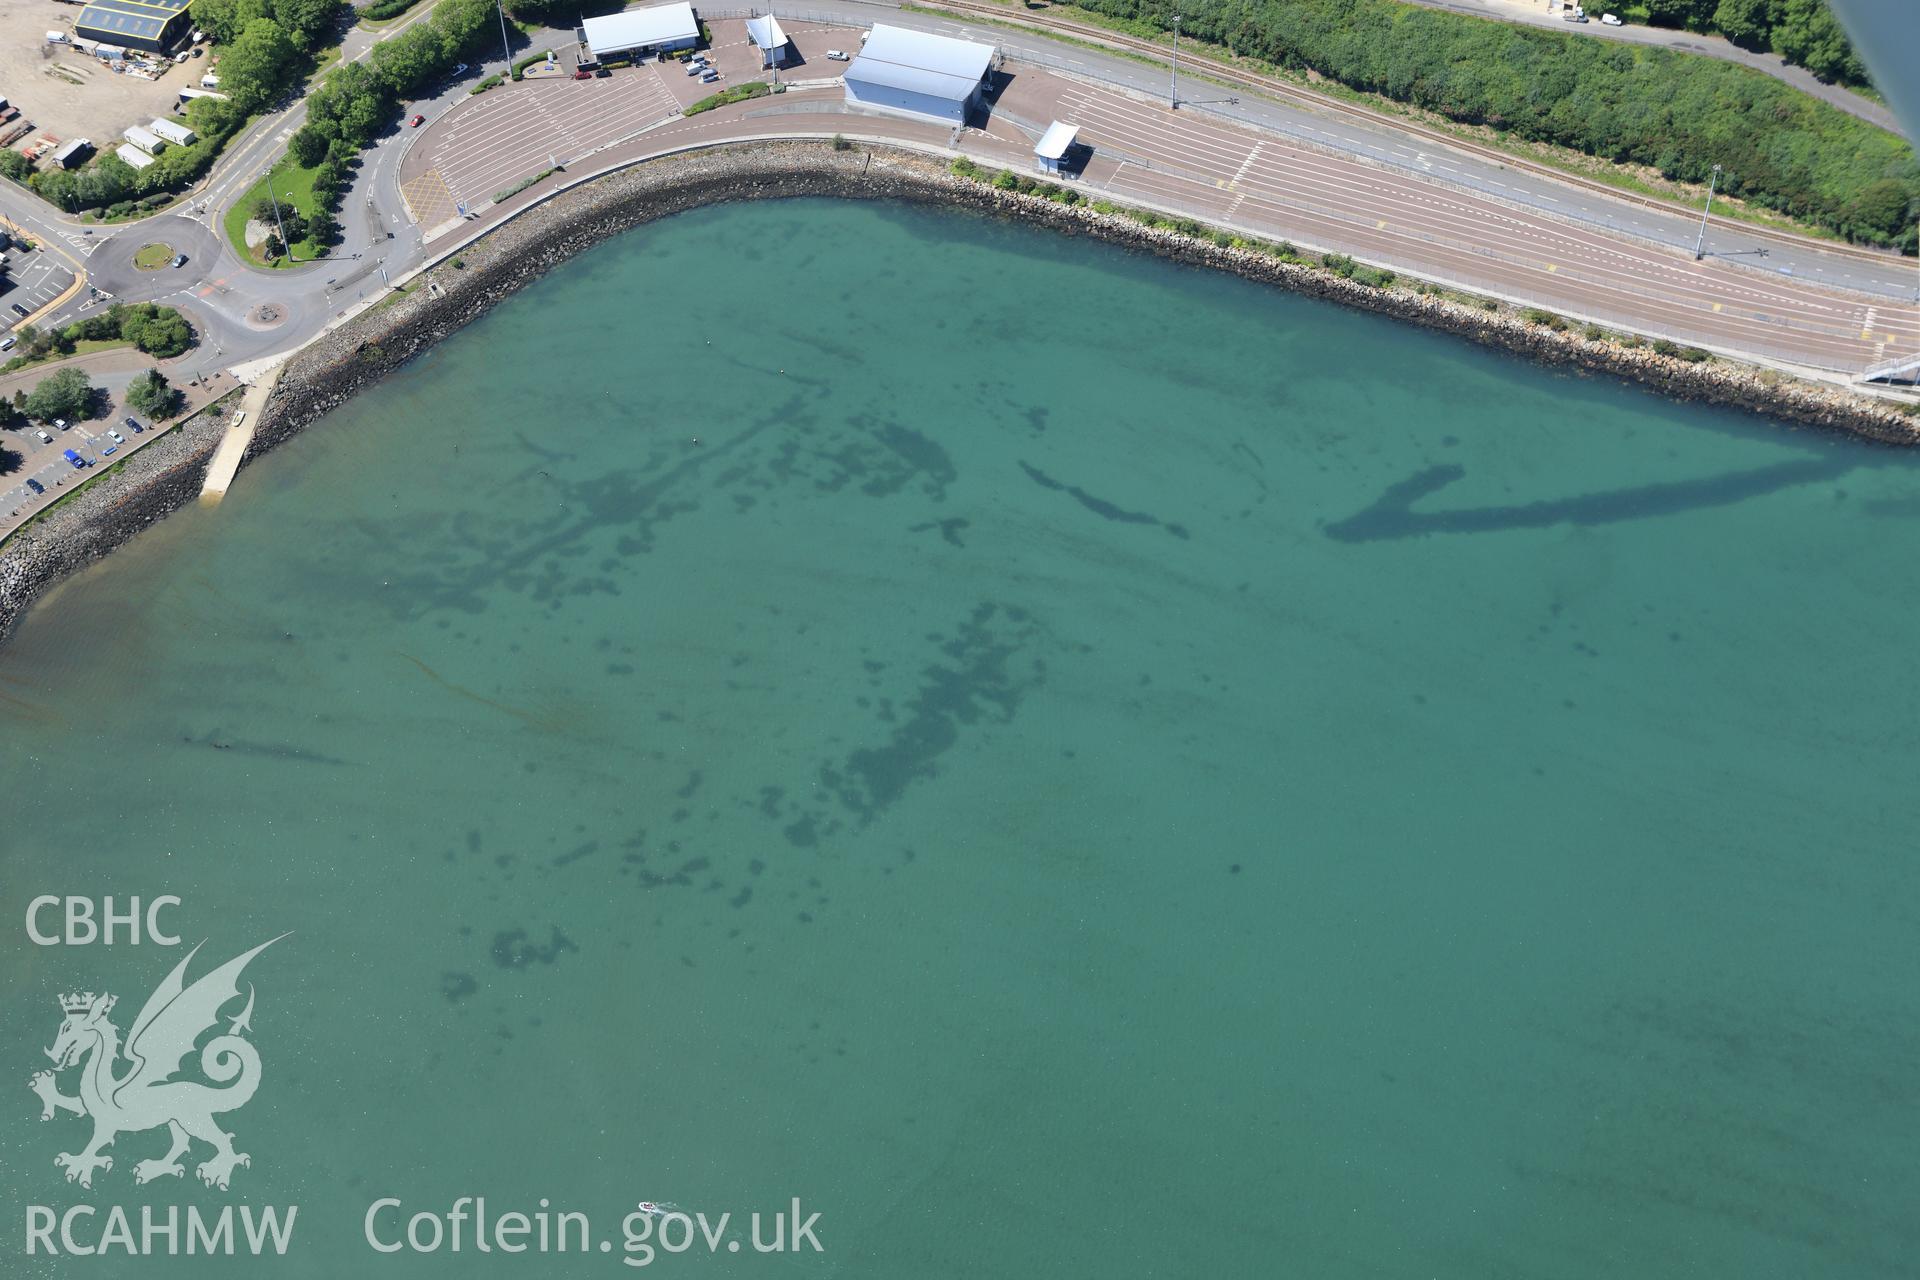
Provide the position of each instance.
(69, 94)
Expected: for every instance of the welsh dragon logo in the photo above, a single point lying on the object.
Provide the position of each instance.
(144, 1095)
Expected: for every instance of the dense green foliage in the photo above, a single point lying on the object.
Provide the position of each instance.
(1679, 113)
(150, 393)
(157, 330)
(306, 23)
(381, 10)
(733, 93)
(1803, 32)
(66, 394)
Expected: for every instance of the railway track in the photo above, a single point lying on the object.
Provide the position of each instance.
(1271, 87)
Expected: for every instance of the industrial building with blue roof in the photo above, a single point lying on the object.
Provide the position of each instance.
(151, 26)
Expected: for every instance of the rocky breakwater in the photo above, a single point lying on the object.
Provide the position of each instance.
(1532, 334)
(160, 478)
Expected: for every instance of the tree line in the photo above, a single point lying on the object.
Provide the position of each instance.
(1804, 32)
(1679, 113)
(156, 330)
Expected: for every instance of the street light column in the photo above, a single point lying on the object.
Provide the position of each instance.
(1700, 241)
(1173, 84)
(275, 201)
(505, 48)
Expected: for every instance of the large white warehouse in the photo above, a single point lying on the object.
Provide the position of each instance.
(640, 31)
(913, 73)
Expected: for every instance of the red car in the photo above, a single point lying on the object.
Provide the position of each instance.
(417, 121)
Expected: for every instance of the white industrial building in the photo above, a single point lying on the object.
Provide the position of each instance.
(145, 139)
(916, 74)
(178, 134)
(661, 28)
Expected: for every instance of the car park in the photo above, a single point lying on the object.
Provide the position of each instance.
(117, 437)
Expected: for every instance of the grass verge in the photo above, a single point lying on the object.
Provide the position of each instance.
(294, 186)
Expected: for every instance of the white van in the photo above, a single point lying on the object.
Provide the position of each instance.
(57, 37)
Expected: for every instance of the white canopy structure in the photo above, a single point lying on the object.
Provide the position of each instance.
(1051, 150)
(767, 35)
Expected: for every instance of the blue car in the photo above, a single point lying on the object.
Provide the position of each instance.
(109, 451)
(77, 461)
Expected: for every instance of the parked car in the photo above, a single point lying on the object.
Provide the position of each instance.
(60, 424)
(20, 310)
(581, 73)
(695, 68)
(837, 55)
(42, 433)
(133, 424)
(74, 459)
(1609, 19)
(8, 344)
(711, 77)
(110, 450)
(416, 122)
(36, 486)
(179, 260)
(117, 437)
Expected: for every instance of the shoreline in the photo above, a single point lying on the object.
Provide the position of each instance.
(443, 298)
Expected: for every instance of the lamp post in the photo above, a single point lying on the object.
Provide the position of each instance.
(506, 49)
(276, 218)
(1700, 241)
(1173, 85)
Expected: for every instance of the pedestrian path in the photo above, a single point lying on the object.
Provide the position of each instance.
(233, 446)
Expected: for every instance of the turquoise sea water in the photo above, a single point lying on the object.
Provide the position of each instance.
(1067, 765)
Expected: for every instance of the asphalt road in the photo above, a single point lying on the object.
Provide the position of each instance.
(1380, 144)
